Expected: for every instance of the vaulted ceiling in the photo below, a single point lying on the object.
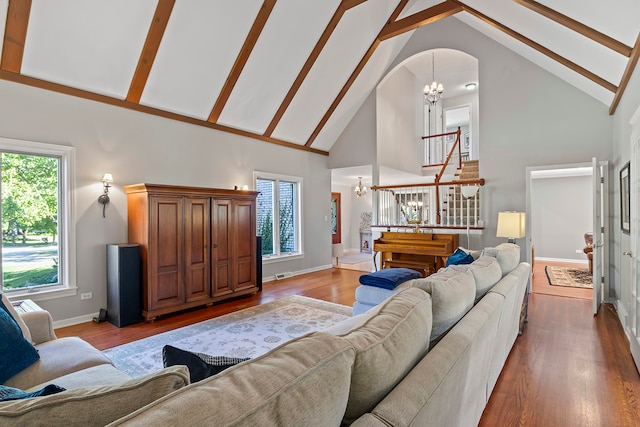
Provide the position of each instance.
(289, 72)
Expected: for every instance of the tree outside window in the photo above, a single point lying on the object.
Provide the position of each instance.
(278, 208)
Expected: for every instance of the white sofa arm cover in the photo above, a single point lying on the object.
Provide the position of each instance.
(40, 325)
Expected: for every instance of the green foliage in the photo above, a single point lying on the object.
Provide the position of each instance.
(29, 194)
(30, 277)
(265, 229)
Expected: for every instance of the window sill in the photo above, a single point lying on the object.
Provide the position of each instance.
(280, 258)
(41, 295)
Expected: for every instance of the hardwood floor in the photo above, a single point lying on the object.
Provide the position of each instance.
(569, 368)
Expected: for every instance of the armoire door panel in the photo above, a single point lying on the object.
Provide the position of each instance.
(244, 244)
(197, 249)
(221, 253)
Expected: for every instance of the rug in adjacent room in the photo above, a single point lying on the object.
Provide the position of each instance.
(246, 333)
(567, 276)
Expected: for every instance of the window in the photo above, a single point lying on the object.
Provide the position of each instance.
(37, 237)
(278, 206)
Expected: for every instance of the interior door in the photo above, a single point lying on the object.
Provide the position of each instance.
(336, 226)
(597, 236)
(633, 329)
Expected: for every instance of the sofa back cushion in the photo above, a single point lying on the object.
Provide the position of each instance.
(12, 311)
(93, 406)
(452, 296)
(304, 382)
(507, 254)
(486, 273)
(389, 340)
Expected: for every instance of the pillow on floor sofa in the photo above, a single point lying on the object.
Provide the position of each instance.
(200, 365)
(16, 352)
(452, 293)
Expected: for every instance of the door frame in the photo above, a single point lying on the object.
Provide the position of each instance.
(337, 236)
(529, 208)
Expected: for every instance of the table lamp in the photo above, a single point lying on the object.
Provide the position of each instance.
(511, 225)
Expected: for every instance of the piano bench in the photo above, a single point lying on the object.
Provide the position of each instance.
(424, 268)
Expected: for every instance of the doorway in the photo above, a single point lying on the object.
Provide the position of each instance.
(560, 210)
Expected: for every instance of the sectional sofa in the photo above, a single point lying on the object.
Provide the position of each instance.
(428, 354)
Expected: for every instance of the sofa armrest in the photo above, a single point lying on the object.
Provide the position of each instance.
(40, 325)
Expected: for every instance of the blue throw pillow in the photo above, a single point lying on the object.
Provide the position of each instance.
(10, 393)
(16, 352)
(389, 278)
(459, 257)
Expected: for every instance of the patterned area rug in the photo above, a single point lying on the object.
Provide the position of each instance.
(571, 277)
(246, 333)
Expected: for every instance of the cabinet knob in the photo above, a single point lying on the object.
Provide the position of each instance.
(206, 245)
(215, 245)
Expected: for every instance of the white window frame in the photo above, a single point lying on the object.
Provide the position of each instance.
(66, 219)
(266, 259)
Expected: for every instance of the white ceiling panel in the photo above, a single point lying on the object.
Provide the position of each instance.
(200, 45)
(278, 57)
(92, 45)
(574, 79)
(558, 38)
(370, 76)
(619, 19)
(415, 6)
(343, 52)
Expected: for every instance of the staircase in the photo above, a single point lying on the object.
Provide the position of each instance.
(455, 211)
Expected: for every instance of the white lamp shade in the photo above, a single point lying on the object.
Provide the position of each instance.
(107, 178)
(511, 225)
(468, 190)
(337, 250)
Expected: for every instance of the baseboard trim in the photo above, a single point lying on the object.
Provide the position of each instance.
(74, 321)
(572, 261)
(299, 272)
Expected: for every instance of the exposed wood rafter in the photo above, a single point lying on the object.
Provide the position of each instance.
(425, 17)
(150, 49)
(80, 93)
(437, 13)
(543, 50)
(241, 60)
(313, 57)
(15, 35)
(576, 26)
(626, 76)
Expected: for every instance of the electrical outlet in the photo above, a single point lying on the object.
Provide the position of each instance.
(88, 295)
(578, 251)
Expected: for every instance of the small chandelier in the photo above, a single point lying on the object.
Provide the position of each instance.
(433, 92)
(361, 190)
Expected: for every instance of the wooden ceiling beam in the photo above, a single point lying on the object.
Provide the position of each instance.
(626, 76)
(576, 26)
(15, 34)
(313, 57)
(425, 17)
(354, 75)
(150, 49)
(84, 94)
(241, 60)
(543, 50)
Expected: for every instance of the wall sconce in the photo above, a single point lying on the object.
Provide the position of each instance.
(107, 179)
(511, 225)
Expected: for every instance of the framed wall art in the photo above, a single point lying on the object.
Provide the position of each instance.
(625, 199)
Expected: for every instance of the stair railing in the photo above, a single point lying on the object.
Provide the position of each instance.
(419, 205)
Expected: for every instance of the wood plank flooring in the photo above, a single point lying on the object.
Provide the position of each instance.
(568, 369)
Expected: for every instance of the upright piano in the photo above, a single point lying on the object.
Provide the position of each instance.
(424, 252)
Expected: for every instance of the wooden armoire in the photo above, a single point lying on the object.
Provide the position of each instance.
(198, 245)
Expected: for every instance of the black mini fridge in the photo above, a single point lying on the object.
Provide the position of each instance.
(124, 284)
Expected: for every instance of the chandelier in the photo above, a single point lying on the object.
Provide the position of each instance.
(433, 92)
(360, 189)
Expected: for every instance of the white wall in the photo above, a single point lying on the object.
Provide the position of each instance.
(562, 211)
(137, 147)
(527, 117)
(399, 127)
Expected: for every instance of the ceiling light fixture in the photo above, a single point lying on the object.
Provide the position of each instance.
(433, 92)
(360, 189)
(471, 86)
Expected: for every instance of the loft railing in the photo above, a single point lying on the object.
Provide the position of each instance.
(420, 205)
(440, 149)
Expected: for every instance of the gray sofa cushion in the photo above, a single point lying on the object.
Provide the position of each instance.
(93, 406)
(304, 382)
(507, 254)
(452, 294)
(389, 340)
(58, 357)
(486, 272)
